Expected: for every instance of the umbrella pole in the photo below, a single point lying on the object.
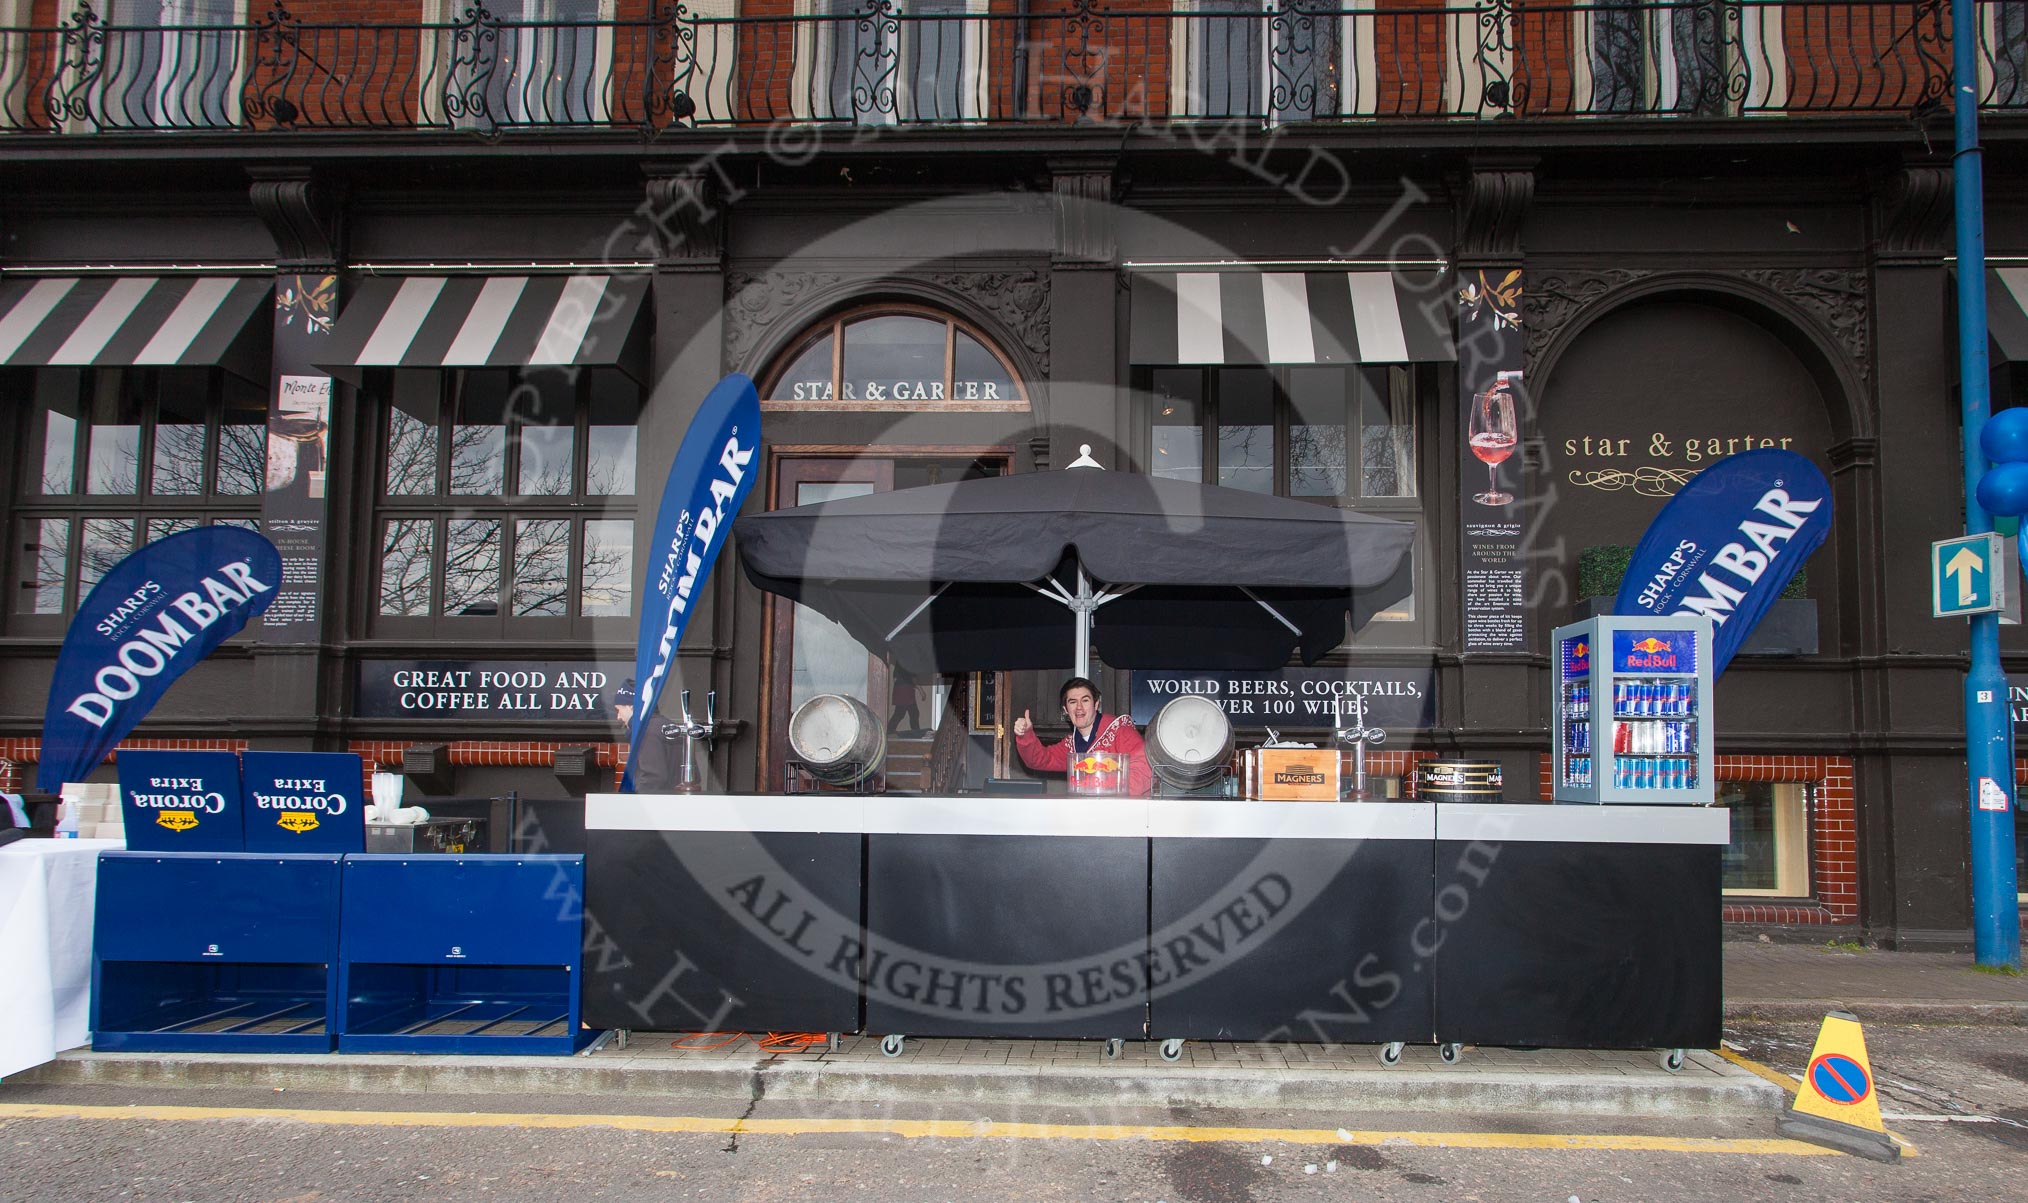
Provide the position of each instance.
(1083, 609)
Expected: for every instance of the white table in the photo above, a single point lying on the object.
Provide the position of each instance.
(46, 892)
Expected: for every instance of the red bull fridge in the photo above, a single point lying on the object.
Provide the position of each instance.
(1633, 711)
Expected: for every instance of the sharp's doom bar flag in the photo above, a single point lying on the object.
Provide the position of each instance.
(714, 471)
(1727, 544)
(159, 611)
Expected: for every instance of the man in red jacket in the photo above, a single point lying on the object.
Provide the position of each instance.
(1091, 730)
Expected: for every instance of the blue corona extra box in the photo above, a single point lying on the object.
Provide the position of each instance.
(181, 801)
(304, 802)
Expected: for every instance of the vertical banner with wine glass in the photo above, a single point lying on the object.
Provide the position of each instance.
(1491, 347)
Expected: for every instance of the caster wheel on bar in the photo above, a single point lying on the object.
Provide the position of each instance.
(1672, 1059)
(891, 1045)
(1450, 1053)
(1172, 1050)
(1390, 1054)
(1114, 1047)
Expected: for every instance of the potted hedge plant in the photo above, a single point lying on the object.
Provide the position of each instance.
(1789, 627)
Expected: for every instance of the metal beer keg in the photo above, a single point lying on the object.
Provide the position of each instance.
(1458, 781)
(837, 739)
(1189, 742)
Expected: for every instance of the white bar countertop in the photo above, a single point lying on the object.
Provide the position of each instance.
(1140, 818)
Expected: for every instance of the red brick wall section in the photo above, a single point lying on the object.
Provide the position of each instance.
(1834, 835)
(22, 752)
(377, 755)
(385, 755)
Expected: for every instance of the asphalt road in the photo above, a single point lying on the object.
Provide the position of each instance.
(1960, 1094)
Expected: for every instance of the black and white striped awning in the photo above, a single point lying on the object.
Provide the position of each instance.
(490, 321)
(128, 321)
(2007, 313)
(1274, 317)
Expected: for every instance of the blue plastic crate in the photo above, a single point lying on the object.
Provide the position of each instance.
(215, 952)
(462, 954)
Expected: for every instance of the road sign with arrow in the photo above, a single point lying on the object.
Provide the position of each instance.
(1965, 576)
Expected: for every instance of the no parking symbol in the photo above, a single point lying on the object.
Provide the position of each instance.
(1839, 1079)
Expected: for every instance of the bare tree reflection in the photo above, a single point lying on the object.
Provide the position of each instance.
(405, 553)
(242, 458)
(472, 566)
(411, 459)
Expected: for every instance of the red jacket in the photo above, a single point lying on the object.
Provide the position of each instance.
(1113, 733)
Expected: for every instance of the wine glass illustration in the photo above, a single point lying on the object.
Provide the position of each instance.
(1493, 434)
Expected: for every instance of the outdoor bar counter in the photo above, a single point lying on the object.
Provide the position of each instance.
(1161, 918)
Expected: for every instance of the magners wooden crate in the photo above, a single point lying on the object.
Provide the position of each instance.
(1292, 774)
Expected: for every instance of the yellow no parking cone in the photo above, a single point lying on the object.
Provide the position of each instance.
(1836, 1105)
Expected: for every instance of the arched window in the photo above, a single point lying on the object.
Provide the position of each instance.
(895, 357)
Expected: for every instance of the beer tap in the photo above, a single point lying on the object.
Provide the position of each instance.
(691, 780)
(1359, 735)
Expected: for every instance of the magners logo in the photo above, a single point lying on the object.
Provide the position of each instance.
(298, 821)
(1299, 774)
(176, 820)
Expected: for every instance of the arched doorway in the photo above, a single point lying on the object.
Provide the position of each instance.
(910, 361)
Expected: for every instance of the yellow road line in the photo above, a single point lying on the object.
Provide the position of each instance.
(1757, 1069)
(1789, 1085)
(927, 1129)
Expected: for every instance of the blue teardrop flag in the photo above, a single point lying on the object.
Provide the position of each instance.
(159, 611)
(714, 471)
(1727, 544)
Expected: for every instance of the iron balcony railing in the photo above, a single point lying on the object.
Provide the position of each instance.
(957, 62)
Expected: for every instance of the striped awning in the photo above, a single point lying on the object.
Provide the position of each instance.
(2007, 313)
(1272, 317)
(490, 321)
(128, 321)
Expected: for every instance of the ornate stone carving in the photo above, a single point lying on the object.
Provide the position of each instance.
(1085, 231)
(305, 218)
(1836, 297)
(1553, 298)
(1490, 212)
(1912, 212)
(754, 305)
(1018, 300)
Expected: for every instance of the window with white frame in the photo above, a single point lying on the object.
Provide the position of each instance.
(1286, 60)
(169, 63)
(1695, 59)
(526, 62)
(915, 61)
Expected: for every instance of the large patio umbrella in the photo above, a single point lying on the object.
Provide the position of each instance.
(1026, 571)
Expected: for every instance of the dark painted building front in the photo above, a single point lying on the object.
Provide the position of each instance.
(495, 262)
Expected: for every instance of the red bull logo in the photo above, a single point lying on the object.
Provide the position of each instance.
(1649, 651)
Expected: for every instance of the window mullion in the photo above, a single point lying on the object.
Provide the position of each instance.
(1355, 452)
(1278, 384)
(1209, 433)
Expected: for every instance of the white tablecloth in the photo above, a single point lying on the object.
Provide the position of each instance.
(46, 893)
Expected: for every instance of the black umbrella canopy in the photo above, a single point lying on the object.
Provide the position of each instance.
(1200, 561)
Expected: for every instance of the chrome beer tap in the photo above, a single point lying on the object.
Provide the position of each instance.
(1359, 735)
(692, 780)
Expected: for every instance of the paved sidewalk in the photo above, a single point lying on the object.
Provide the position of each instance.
(1772, 981)
(1802, 981)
